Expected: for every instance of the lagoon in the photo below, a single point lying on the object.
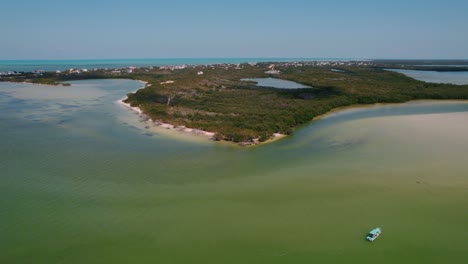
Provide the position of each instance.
(83, 180)
(458, 77)
(276, 83)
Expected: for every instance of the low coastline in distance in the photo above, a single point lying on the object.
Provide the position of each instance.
(62, 65)
(218, 101)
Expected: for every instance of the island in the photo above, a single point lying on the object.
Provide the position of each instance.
(222, 99)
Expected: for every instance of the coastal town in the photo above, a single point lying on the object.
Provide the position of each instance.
(273, 68)
(225, 66)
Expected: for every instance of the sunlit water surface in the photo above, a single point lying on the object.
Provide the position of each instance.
(83, 181)
(455, 77)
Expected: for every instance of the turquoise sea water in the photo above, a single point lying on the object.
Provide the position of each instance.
(53, 65)
(84, 180)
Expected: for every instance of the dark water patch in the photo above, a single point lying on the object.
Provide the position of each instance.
(69, 106)
(64, 121)
(342, 145)
(17, 101)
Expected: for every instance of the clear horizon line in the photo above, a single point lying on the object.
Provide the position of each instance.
(175, 58)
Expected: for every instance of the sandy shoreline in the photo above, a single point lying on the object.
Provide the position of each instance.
(254, 142)
(182, 129)
(161, 124)
(364, 106)
(274, 137)
(187, 130)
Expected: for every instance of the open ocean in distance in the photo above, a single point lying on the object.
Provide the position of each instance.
(53, 65)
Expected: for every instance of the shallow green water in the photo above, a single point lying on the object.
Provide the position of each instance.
(83, 181)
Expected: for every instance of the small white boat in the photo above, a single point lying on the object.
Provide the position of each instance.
(374, 234)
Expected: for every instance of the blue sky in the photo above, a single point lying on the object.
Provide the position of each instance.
(87, 29)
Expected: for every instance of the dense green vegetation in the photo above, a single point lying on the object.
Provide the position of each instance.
(238, 111)
(219, 102)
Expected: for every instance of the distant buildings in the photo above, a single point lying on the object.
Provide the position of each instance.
(73, 71)
(273, 71)
(8, 73)
(177, 67)
(131, 69)
(270, 68)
